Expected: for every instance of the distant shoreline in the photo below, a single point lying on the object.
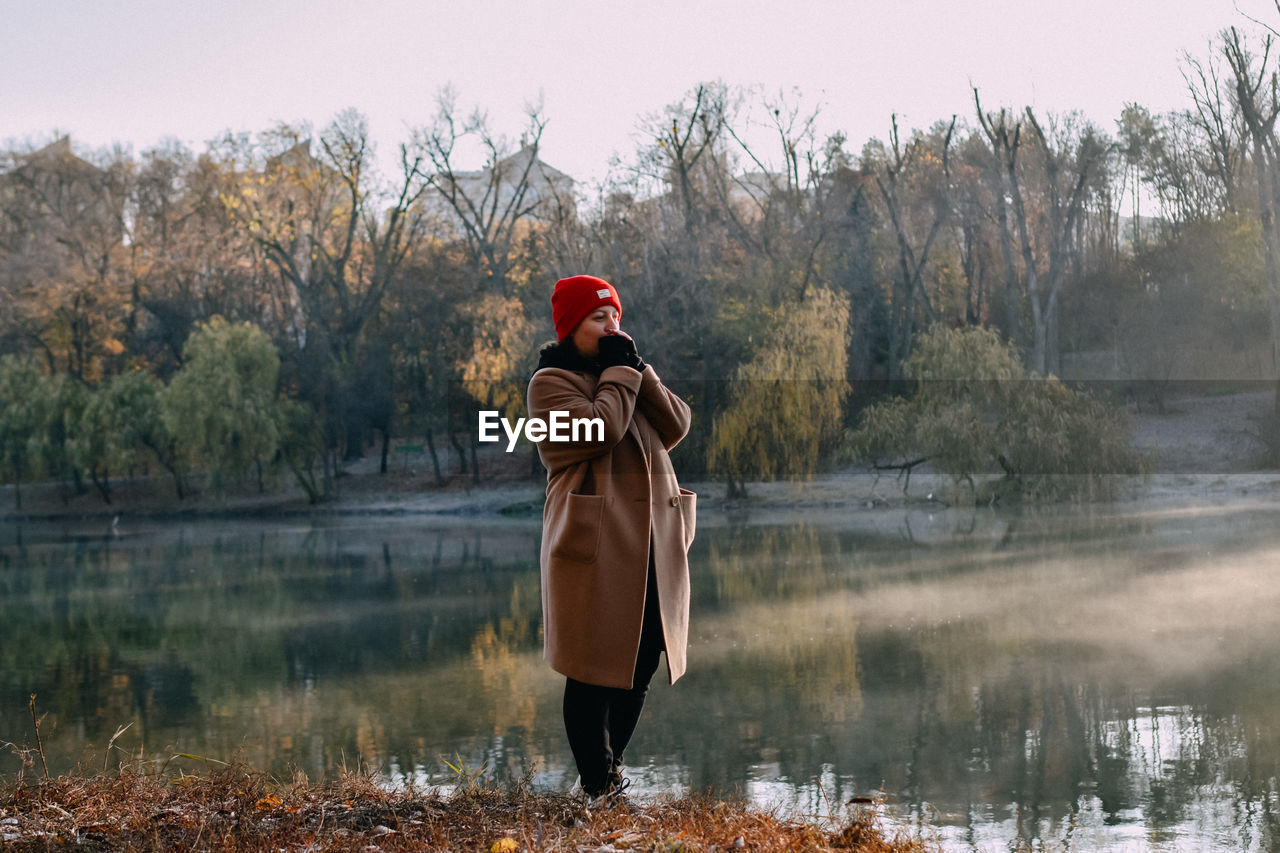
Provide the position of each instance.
(1201, 448)
(843, 492)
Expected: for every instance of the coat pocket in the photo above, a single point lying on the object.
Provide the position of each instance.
(579, 535)
(689, 513)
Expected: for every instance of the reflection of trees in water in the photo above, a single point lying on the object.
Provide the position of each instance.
(499, 651)
(1030, 728)
(757, 562)
(969, 737)
(982, 715)
(94, 657)
(164, 629)
(770, 682)
(767, 563)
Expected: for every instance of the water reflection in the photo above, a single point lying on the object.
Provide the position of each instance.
(1073, 680)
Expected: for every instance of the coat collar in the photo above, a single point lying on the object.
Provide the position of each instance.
(566, 357)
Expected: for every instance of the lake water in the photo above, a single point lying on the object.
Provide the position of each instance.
(1090, 679)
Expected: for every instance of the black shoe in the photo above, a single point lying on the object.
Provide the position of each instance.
(616, 787)
(610, 796)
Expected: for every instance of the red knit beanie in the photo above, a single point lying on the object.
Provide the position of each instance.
(576, 297)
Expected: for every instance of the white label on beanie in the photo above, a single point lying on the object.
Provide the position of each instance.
(603, 294)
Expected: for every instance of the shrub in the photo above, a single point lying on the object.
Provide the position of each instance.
(974, 411)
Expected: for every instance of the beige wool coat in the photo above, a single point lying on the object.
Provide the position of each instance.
(606, 501)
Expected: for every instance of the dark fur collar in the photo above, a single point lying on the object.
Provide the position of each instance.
(565, 356)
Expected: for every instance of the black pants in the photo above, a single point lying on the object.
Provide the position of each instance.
(600, 720)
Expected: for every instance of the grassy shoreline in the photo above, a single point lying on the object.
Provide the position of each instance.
(239, 809)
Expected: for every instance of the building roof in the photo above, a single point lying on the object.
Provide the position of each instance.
(515, 165)
(58, 152)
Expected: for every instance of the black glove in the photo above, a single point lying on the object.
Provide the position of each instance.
(617, 351)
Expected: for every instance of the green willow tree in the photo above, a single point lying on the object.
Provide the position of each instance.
(122, 427)
(97, 445)
(222, 404)
(61, 402)
(787, 403)
(137, 402)
(20, 419)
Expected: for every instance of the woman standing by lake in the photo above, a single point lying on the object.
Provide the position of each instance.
(616, 528)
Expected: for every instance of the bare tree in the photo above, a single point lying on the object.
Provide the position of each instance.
(1004, 133)
(336, 236)
(1194, 176)
(683, 136)
(922, 167)
(975, 225)
(490, 207)
(1217, 115)
(775, 210)
(1071, 158)
(1257, 92)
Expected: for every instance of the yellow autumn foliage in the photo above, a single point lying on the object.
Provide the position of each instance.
(787, 402)
(502, 340)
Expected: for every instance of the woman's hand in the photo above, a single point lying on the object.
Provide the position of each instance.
(617, 349)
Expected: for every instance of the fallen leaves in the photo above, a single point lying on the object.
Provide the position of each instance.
(247, 812)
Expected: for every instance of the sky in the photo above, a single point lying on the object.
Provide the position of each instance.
(138, 72)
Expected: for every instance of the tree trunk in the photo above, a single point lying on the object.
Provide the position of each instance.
(1260, 107)
(908, 323)
(735, 488)
(1033, 282)
(306, 479)
(102, 483)
(1012, 304)
(462, 454)
(972, 288)
(435, 457)
(1271, 241)
(1053, 346)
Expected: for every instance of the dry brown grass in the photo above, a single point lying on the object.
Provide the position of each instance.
(239, 809)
